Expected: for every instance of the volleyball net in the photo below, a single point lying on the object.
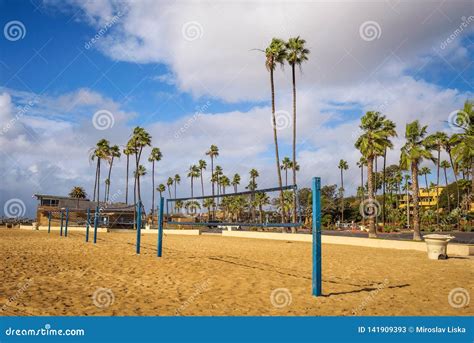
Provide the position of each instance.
(270, 207)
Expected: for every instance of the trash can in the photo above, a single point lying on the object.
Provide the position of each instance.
(437, 246)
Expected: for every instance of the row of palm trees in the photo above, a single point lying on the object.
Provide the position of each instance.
(419, 146)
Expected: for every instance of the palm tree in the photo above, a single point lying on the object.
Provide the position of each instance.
(415, 150)
(209, 203)
(177, 180)
(139, 172)
(463, 150)
(179, 205)
(448, 146)
(213, 152)
(140, 139)
(77, 192)
(236, 182)
(193, 172)
(296, 54)
(100, 152)
(253, 177)
(202, 166)
(342, 166)
(161, 188)
(360, 164)
(169, 183)
(377, 133)
(128, 150)
(446, 165)
(275, 54)
(436, 141)
(285, 165)
(114, 152)
(225, 182)
(155, 156)
(424, 171)
(218, 173)
(261, 199)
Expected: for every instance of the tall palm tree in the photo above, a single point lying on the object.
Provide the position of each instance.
(275, 54)
(140, 139)
(285, 165)
(415, 150)
(155, 156)
(202, 166)
(128, 150)
(77, 192)
(114, 152)
(463, 150)
(296, 54)
(193, 173)
(362, 162)
(342, 166)
(217, 174)
(377, 131)
(436, 141)
(446, 165)
(213, 152)
(209, 203)
(161, 188)
(101, 152)
(177, 180)
(448, 146)
(261, 199)
(224, 182)
(169, 183)
(236, 182)
(424, 171)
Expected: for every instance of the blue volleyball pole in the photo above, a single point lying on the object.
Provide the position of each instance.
(160, 226)
(139, 225)
(96, 222)
(61, 229)
(88, 224)
(316, 277)
(67, 221)
(49, 222)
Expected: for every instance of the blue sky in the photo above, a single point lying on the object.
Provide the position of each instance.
(190, 75)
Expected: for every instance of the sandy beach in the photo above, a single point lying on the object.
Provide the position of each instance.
(213, 276)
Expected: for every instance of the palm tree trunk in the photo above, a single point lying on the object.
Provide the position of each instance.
(286, 177)
(437, 185)
(192, 188)
(202, 184)
(455, 176)
(383, 185)
(277, 156)
(293, 229)
(212, 174)
(362, 189)
(126, 182)
(152, 191)
(342, 197)
(95, 181)
(370, 193)
(98, 181)
(447, 190)
(108, 177)
(415, 190)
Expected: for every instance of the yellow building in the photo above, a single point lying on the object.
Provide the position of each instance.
(426, 197)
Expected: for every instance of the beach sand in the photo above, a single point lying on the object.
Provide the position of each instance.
(213, 276)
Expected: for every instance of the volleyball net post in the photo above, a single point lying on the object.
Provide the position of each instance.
(61, 229)
(67, 222)
(88, 224)
(160, 227)
(316, 228)
(139, 226)
(96, 223)
(49, 222)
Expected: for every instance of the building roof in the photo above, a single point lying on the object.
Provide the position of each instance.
(39, 196)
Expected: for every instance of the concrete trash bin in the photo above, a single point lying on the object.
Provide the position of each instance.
(437, 246)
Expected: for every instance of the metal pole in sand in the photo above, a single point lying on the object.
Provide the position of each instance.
(96, 220)
(67, 221)
(139, 226)
(61, 230)
(88, 224)
(49, 222)
(160, 226)
(316, 277)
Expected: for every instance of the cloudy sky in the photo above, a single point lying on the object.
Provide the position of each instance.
(72, 72)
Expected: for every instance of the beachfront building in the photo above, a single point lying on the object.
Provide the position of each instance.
(426, 197)
(112, 215)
